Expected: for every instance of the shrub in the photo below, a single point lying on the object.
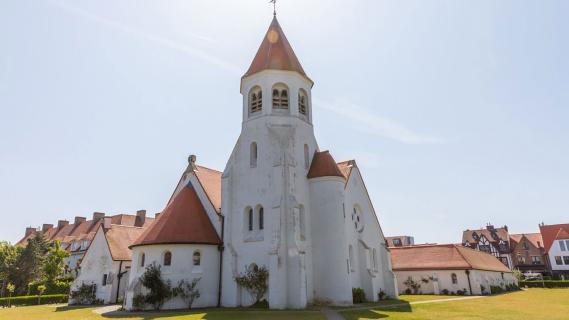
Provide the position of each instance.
(482, 289)
(160, 290)
(381, 295)
(60, 286)
(545, 284)
(188, 291)
(445, 292)
(496, 289)
(138, 302)
(407, 291)
(254, 280)
(413, 285)
(33, 300)
(358, 295)
(84, 295)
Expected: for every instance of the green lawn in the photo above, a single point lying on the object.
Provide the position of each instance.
(535, 304)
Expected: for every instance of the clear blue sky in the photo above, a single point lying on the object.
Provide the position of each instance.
(457, 112)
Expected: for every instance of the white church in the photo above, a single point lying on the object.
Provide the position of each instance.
(281, 202)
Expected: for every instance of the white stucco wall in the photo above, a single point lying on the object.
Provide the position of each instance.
(555, 250)
(181, 268)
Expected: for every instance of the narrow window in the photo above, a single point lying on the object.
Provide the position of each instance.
(351, 256)
(142, 258)
(255, 100)
(306, 156)
(454, 278)
(197, 258)
(302, 102)
(261, 218)
(284, 99)
(250, 219)
(253, 159)
(562, 245)
(566, 260)
(280, 97)
(167, 258)
(105, 276)
(302, 222)
(276, 99)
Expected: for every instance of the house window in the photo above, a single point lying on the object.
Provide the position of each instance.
(566, 260)
(280, 97)
(454, 278)
(105, 276)
(168, 258)
(261, 218)
(255, 100)
(358, 219)
(351, 257)
(306, 156)
(197, 258)
(302, 102)
(253, 155)
(142, 258)
(521, 259)
(525, 246)
(397, 242)
(250, 219)
(562, 245)
(558, 261)
(535, 260)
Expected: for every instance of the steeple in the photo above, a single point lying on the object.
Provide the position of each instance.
(275, 53)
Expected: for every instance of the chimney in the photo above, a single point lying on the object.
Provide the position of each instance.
(78, 220)
(107, 223)
(98, 216)
(506, 227)
(62, 223)
(140, 218)
(30, 230)
(192, 161)
(489, 227)
(45, 227)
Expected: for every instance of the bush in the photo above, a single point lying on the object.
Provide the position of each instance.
(382, 295)
(254, 281)
(415, 286)
(33, 300)
(445, 292)
(160, 290)
(545, 283)
(138, 302)
(85, 294)
(54, 287)
(358, 295)
(496, 289)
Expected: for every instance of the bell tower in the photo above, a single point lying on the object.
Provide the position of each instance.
(265, 190)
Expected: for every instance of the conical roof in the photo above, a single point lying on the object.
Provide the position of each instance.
(183, 221)
(323, 165)
(275, 53)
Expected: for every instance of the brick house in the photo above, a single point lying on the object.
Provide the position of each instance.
(528, 253)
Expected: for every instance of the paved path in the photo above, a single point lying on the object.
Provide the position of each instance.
(107, 309)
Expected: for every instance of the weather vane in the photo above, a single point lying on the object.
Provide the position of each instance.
(274, 2)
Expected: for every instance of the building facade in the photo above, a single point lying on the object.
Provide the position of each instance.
(556, 245)
(528, 253)
(495, 241)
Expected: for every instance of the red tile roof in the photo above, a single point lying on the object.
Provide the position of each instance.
(323, 165)
(275, 53)
(443, 257)
(562, 235)
(346, 167)
(184, 220)
(210, 180)
(550, 232)
(534, 238)
(120, 237)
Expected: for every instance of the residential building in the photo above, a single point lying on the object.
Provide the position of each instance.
(556, 245)
(400, 241)
(495, 241)
(528, 253)
(448, 268)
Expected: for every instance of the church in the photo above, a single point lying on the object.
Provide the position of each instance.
(281, 203)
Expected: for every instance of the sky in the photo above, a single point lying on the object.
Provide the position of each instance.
(456, 111)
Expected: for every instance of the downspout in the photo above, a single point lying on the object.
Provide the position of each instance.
(468, 276)
(220, 248)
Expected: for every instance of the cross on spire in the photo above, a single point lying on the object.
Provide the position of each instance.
(274, 2)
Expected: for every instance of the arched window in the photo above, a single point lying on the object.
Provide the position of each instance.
(280, 97)
(454, 278)
(255, 100)
(351, 256)
(142, 258)
(261, 218)
(250, 219)
(358, 219)
(302, 222)
(253, 155)
(197, 258)
(253, 267)
(306, 156)
(167, 258)
(302, 102)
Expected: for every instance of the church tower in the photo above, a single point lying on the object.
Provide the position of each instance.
(265, 188)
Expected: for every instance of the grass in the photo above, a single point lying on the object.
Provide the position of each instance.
(535, 304)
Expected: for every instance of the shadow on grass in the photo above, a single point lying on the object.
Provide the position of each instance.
(375, 310)
(71, 308)
(216, 314)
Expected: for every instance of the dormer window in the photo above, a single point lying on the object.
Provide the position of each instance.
(302, 102)
(255, 100)
(280, 97)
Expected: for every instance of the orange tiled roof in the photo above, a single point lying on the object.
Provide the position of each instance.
(443, 257)
(120, 237)
(210, 180)
(275, 53)
(562, 234)
(323, 165)
(346, 167)
(534, 238)
(502, 234)
(184, 220)
(550, 233)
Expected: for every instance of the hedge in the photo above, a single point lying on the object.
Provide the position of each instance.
(33, 300)
(545, 283)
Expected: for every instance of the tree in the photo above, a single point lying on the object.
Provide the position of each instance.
(9, 256)
(30, 263)
(254, 280)
(159, 289)
(188, 291)
(54, 266)
(41, 290)
(11, 288)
